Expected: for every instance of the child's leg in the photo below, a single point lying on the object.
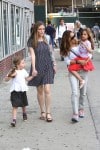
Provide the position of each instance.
(14, 114)
(24, 109)
(24, 113)
(81, 81)
(76, 74)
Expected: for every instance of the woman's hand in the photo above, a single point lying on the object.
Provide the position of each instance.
(82, 62)
(34, 72)
(55, 69)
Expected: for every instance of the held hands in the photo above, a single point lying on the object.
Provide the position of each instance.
(34, 72)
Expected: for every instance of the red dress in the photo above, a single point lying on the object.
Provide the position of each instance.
(76, 67)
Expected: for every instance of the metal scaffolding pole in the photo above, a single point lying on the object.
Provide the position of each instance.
(82, 3)
(75, 4)
(72, 6)
(46, 10)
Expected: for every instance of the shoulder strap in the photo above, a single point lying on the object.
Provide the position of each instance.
(74, 53)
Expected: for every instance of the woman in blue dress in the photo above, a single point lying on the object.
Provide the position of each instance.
(43, 68)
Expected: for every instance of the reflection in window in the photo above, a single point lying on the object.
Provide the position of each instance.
(22, 28)
(5, 25)
(13, 42)
(18, 26)
(1, 51)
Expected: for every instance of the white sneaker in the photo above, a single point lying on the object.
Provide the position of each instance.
(82, 84)
(75, 118)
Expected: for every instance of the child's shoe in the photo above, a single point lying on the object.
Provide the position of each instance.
(24, 116)
(75, 118)
(81, 113)
(82, 83)
(13, 123)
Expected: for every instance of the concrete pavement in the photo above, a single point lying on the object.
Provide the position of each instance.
(61, 134)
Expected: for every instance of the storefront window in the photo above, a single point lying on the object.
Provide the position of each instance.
(14, 28)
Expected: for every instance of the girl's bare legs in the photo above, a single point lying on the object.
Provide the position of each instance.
(41, 100)
(24, 109)
(44, 99)
(76, 74)
(14, 114)
(24, 113)
(47, 92)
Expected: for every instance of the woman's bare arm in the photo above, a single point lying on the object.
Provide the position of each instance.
(32, 54)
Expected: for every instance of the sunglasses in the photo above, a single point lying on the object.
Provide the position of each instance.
(73, 37)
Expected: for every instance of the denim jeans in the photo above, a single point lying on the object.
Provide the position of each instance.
(78, 96)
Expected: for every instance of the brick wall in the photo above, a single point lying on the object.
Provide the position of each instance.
(6, 64)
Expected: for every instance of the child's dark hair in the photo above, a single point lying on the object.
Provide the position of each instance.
(16, 61)
(65, 43)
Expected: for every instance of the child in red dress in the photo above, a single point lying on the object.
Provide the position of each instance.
(85, 49)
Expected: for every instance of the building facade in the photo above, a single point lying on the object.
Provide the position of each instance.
(16, 17)
(54, 5)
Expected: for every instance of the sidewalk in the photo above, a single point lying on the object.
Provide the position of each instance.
(61, 134)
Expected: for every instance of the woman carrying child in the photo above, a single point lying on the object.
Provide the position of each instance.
(78, 65)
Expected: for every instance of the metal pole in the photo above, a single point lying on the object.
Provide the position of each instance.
(33, 10)
(82, 3)
(72, 6)
(75, 3)
(46, 10)
(86, 2)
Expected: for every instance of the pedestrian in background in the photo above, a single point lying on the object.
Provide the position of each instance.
(43, 68)
(78, 29)
(18, 89)
(50, 30)
(96, 31)
(69, 50)
(59, 32)
(32, 27)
